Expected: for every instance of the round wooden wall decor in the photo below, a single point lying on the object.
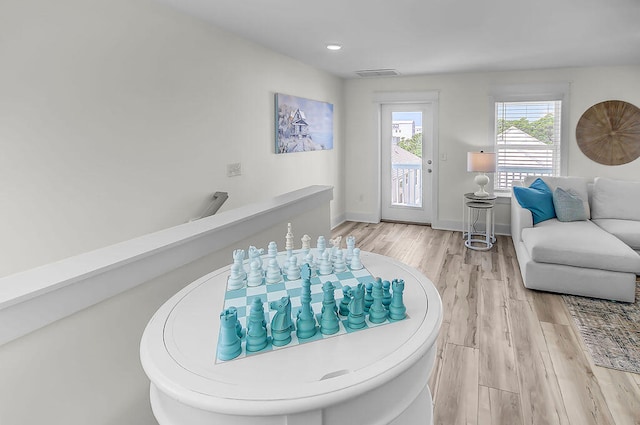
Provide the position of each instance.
(609, 132)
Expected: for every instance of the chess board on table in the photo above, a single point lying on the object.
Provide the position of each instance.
(241, 299)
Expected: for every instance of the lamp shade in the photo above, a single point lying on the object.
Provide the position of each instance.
(481, 162)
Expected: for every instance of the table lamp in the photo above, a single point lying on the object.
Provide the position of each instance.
(481, 163)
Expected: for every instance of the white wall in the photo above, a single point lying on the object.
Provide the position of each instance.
(118, 117)
(464, 124)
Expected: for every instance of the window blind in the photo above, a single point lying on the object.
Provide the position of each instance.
(527, 141)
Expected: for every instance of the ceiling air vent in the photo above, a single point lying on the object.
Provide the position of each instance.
(377, 73)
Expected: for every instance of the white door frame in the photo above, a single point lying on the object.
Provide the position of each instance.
(431, 97)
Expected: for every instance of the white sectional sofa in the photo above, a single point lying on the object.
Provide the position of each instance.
(598, 257)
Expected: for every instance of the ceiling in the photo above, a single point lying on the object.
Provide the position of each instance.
(434, 36)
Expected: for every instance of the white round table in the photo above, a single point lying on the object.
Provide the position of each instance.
(373, 376)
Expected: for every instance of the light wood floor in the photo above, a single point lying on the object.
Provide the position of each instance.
(506, 355)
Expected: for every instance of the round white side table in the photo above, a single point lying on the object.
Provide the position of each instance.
(478, 239)
(374, 376)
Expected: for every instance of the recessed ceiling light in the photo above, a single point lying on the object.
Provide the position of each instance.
(334, 46)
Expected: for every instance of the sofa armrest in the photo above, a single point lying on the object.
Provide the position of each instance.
(521, 218)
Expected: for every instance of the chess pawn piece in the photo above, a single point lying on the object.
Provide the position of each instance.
(339, 265)
(325, 264)
(321, 245)
(229, 344)
(281, 324)
(368, 298)
(329, 322)
(312, 264)
(351, 244)
(397, 309)
(377, 312)
(255, 275)
(356, 264)
(293, 271)
(272, 250)
(386, 295)
(306, 246)
(355, 319)
(305, 319)
(274, 274)
(289, 241)
(346, 299)
(257, 327)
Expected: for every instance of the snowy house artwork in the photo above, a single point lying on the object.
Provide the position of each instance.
(303, 124)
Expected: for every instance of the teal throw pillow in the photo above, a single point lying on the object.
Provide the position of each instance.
(568, 205)
(538, 199)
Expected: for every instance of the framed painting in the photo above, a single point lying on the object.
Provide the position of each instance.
(303, 125)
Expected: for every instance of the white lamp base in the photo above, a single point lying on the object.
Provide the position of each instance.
(481, 180)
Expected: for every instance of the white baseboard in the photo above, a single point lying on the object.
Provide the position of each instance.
(456, 226)
(363, 217)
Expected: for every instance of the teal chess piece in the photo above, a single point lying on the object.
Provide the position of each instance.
(355, 319)
(305, 319)
(397, 309)
(229, 344)
(239, 330)
(377, 312)
(344, 303)
(368, 298)
(386, 295)
(281, 324)
(257, 338)
(329, 322)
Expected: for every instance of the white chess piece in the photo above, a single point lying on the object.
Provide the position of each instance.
(339, 265)
(356, 264)
(293, 271)
(274, 274)
(289, 241)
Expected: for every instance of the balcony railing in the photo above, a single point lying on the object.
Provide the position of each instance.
(406, 185)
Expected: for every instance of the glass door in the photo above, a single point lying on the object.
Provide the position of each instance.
(407, 165)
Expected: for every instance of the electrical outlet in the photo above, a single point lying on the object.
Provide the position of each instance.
(234, 170)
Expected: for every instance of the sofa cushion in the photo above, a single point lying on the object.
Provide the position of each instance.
(577, 184)
(628, 231)
(537, 198)
(568, 205)
(579, 244)
(616, 199)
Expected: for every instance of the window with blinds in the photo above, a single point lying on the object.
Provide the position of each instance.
(527, 140)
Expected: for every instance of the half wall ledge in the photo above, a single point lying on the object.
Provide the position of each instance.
(35, 298)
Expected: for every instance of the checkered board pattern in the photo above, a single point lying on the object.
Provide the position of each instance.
(242, 299)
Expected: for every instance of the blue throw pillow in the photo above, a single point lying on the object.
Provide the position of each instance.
(568, 205)
(538, 199)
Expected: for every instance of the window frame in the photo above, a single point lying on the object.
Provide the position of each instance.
(535, 92)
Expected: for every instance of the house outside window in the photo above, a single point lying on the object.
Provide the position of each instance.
(529, 134)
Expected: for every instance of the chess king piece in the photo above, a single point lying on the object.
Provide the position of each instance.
(289, 241)
(306, 245)
(305, 319)
(344, 302)
(356, 264)
(355, 319)
(339, 265)
(274, 274)
(238, 276)
(397, 309)
(329, 322)
(257, 327)
(386, 295)
(321, 245)
(293, 271)
(229, 344)
(325, 267)
(351, 244)
(377, 312)
(281, 324)
(368, 298)
(255, 275)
